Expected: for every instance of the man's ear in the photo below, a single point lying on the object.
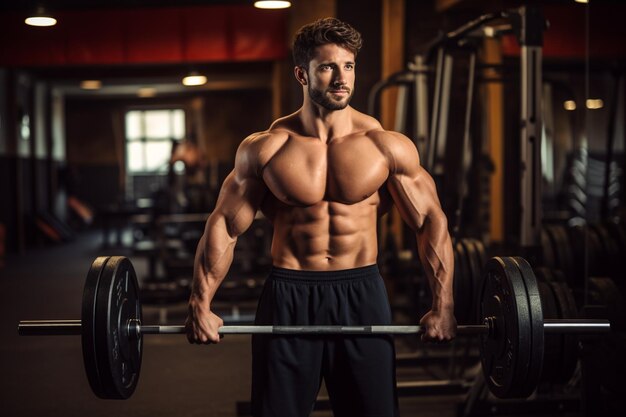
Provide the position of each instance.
(301, 75)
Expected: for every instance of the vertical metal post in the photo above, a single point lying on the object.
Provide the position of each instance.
(420, 105)
(401, 109)
(466, 154)
(441, 108)
(531, 40)
(432, 140)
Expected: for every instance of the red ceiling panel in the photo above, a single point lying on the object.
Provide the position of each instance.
(154, 35)
(254, 37)
(565, 38)
(206, 34)
(96, 37)
(163, 35)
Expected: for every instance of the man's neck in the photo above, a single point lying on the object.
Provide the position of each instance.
(325, 124)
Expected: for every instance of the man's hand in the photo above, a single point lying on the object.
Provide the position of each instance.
(440, 326)
(202, 324)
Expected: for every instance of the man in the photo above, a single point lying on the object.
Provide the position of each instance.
(322, 176)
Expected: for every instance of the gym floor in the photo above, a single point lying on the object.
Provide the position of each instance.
(44, 376)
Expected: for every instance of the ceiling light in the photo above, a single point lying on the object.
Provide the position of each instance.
(146, 92)
(91, 84)
(194, 79)
(582, 1)
(594, 103)
(272, 4)
(569, 105)
(40, 18)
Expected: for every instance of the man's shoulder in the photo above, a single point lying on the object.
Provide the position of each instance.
(399, 150)
(260, 147)
(389, 140)
(264, 140)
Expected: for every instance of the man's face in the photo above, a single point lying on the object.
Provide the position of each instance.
(331, 77)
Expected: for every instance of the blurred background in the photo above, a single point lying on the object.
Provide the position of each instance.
(119, 121)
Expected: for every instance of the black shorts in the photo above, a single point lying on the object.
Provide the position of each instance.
(359, 371)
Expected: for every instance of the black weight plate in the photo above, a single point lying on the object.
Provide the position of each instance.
(558, 276)
(481, 258)
(535, 324)
(594, 254)
(468, 287)
(617, 233)
(610, 250)
(547, 250)
(553, 342)
(611, 296)
(549, 230)
(461, 285)
(564, 301)
(578, 239)
(544, 274)
(88, 325)
(474, 270)
(118, 354)
(548, 274)
(619, 236)
(572, 311)
(609, 358)
(505, 355)
(564, 249)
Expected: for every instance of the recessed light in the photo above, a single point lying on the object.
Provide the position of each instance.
(146, 92)
(40, 18)
(272, 4)
(91, 84)
(194, 79)
(569, 105)
(594, 103)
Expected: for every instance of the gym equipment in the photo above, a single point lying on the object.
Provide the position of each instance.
(112, 330)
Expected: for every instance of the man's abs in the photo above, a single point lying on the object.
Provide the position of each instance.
(325, 236)
(323, 202)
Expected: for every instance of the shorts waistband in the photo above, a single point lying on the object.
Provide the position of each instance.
(362, 272)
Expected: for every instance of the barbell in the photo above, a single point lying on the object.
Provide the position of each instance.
(511, 333)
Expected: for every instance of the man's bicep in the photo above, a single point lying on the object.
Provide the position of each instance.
(415, 196)
(238, 201)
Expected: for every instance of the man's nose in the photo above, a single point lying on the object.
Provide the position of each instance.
(339, 78)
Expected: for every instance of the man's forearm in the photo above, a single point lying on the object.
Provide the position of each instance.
(212, 261)
(437, 257)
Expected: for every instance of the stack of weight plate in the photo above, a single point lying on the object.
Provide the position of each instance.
(575, 184)
(469, 260)
(559, 253)
(604, 359)
(557, 302)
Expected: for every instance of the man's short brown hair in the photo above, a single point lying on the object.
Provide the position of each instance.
(322, 32)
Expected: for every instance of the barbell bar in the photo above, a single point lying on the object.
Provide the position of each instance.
(511, 336)
(135, 328)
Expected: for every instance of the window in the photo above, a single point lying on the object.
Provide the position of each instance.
(149, 137)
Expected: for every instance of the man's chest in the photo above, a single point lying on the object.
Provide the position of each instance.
(306, 172)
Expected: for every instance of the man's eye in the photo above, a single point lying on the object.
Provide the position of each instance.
(350, 67)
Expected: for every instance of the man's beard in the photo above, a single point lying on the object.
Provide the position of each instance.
(323, 100)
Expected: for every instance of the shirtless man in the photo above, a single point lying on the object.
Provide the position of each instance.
(322, 176)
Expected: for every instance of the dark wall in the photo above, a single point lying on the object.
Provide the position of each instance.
(361, 15)
(230, 116)
(8, 191)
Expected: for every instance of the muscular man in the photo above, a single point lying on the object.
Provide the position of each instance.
(322, 176)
